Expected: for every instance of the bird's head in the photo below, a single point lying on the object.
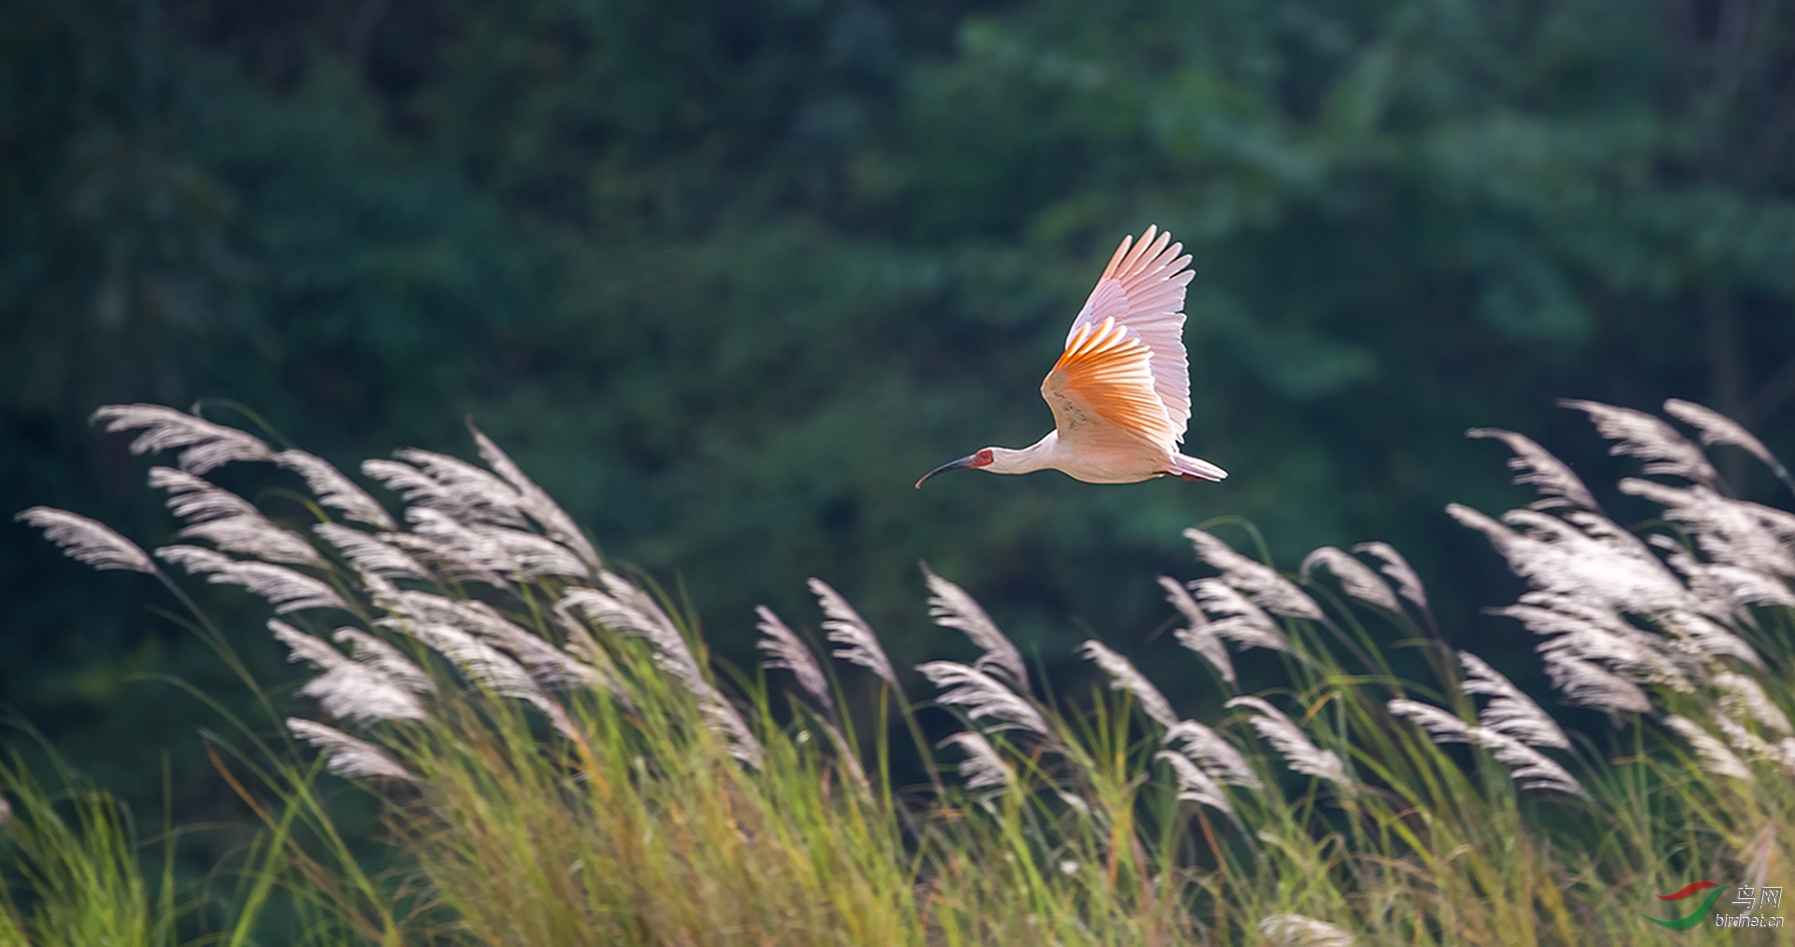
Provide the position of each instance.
(983, 458)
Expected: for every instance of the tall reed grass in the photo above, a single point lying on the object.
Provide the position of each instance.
(559, 762)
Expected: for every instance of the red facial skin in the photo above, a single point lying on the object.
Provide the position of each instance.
(983, 458)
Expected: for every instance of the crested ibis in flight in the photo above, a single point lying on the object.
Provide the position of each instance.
(1120, 392)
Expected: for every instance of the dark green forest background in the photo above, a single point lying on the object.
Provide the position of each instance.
(726, 277)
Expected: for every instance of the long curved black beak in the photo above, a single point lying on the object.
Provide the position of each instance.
(950, 465)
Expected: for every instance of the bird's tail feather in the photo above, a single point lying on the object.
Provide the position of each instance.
(1193, 468)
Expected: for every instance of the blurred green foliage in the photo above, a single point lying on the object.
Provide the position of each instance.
(726, 277)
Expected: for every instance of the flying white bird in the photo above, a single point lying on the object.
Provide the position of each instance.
(1120, 392)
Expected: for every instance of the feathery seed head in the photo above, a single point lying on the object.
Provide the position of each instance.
(203, 444)
(1591, 685)
(983, 697)
(1212, 752)
(1742, 695)
(1235, 617)
(786, 652)
(228, 521)
(459, 553)
(1124, 676)
(1714, 755)
(334, 490)
(538, 504)
(1197, 635)
(87, 541)
(1356, 578)
(1728, 531)
(1637, 434)
(1408, 584)
(1529, 768)
(370, 555)
(1264, 585)
(483, 664)
(982, 769)
(626, 608)
(845, 627)
(951, 607)
(1300, 755)
(386, 659)
(466, 492)
(1536, 467)
(1592, 631)
(1509, 711)
(347, 690)
(1717, 428)
(1442, 726)
(347, 756)
(196, 499)
(1194, 785)
(284, 588)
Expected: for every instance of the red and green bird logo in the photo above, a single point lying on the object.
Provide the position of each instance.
(1696, 916)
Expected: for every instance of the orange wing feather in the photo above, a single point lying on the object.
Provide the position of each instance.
(1102, 389)
(1143, 289)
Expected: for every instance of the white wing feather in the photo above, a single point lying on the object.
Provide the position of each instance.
(1142, 289)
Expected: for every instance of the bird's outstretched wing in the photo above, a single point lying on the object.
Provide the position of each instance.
(1142, 289)
(1102, 391)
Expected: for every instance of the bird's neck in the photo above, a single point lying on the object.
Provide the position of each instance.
(1041, 455)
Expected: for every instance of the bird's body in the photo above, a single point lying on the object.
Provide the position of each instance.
(1120, 392)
